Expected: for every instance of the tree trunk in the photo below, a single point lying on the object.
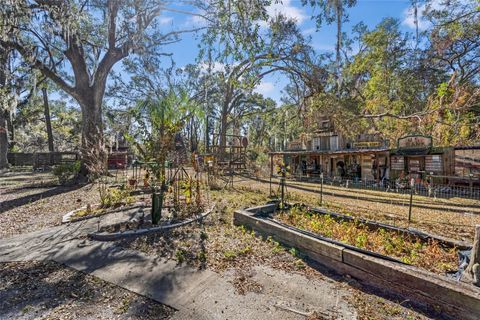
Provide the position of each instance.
(472, 272)
(94, 157)
(11, 131)
(3, 113)
(224, 118)
(339, 41)
(223, 135)
(3, 140)
(46, 111)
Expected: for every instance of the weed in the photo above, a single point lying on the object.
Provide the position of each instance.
(230, 255)
(299, 264)
(294, 252)
(202, 256)
(203, 235)
(180, 254)
(124, 306)
(277, 247)
(66, 171)
(111, 197)
(27, 309)
(245, 250)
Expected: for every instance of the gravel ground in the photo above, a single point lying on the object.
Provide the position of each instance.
(26, 209)
(47, 290)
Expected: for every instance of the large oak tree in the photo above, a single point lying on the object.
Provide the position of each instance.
(76, 43)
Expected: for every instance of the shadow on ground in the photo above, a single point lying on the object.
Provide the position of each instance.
(18, 202)
(47, 289)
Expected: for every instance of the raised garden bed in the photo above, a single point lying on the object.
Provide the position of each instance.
(143, 226)
(428, 254)
(429, 289)
(410, 233)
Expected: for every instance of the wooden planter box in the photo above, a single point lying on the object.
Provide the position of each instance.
(435, 292)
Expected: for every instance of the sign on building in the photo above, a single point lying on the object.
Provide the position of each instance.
(398, 162)
(415, 142)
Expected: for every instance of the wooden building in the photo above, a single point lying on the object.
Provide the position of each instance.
(328, 152)
(416, 158)
(368, 158)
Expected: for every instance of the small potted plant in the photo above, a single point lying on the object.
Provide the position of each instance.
(132, 182)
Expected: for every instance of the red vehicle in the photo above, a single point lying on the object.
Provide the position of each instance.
(117, 160)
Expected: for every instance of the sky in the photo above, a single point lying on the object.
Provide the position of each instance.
(371, 12)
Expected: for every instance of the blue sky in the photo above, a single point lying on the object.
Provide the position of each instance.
(371, 12)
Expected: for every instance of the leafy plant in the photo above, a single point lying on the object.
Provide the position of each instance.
(277, 247)
(180, 254)
(66, 171)
(294, 252)
(112, 197)
(299, 264)
(230, 255)
(245, 250)
(430, 256)
(202, 256)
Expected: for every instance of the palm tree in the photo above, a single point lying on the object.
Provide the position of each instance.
(158, 121)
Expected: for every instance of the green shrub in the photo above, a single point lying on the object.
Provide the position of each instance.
(66, 171)
(111, 197)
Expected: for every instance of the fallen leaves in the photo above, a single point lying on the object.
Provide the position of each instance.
(48, 290)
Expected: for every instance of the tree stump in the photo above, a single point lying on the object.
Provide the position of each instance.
(472, 272)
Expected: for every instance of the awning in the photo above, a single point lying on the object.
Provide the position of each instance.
(330, 152)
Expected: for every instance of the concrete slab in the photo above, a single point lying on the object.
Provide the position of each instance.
(197, 294)
(284, 296)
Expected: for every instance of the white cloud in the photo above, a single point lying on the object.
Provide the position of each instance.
(196, 21)
(265, 88)
(309, 31)
(165, 20)
(323, 47)
(215, 67)
(409, 19)
(287, 9)
(422, 10)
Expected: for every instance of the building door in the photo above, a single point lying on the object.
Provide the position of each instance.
(416, 165)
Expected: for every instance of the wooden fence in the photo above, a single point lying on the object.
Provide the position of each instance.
(41, 159)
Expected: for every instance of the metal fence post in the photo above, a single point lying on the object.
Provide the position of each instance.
(270, 184)
(321, 189)
(412, 185)
(471, 185)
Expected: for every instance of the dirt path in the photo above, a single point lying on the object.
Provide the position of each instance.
(196, 293)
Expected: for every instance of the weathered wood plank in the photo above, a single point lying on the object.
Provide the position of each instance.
(291, 238)
(420, 286)
(445, 293)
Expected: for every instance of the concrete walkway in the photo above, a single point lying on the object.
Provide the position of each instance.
(196, 294)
